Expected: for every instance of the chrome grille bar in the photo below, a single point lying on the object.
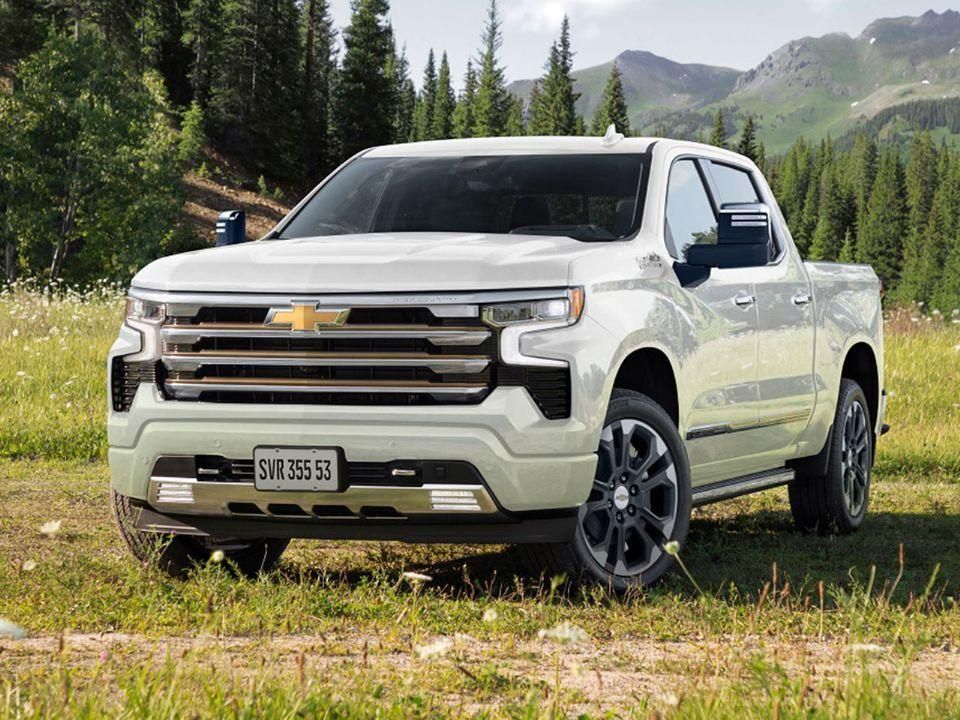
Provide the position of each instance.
(189, 334)
(193, 389)
(191, 362)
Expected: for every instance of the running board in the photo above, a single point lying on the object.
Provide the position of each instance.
(735, 487)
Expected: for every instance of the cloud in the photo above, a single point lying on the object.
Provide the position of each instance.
(541, 16)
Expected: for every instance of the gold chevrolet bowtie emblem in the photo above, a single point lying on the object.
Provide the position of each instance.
(302, 317)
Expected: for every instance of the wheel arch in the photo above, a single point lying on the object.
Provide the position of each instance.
(860, 365)
(648, 370)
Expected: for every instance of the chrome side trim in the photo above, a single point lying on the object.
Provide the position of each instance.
(703, 431)
(191, 362)
(734, 487)
(189, 334)
(212, 499)
(192, 389)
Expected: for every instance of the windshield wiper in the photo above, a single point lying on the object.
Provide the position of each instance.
(585, 233)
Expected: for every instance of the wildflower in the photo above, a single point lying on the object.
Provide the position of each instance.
(21, 373)
(564, 633)
(29, 565)
(8, 629)
(51, 529)
(415, 577)
(490, 615)
(438, 648)
(672, 548)
(16, 332)
(217, 556)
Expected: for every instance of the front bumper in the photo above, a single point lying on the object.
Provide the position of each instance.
(519, 455)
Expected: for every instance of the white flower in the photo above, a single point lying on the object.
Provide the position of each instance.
(16, 332)
(490, 615)
(217, 556)
(29, 565)
(21, 373)
(51, 528)
(672, 548)
(564, 633)
(415, 577)
(8, 629)
(439, 648)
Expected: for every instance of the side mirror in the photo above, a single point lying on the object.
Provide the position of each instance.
(743, 239)
(231, 228)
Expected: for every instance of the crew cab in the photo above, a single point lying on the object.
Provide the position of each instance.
(565, 343)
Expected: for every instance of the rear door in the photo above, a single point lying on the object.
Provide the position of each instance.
(785, 325)
(718, 385)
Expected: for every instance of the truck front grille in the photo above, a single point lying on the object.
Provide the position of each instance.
(379, 356)
(125, 378)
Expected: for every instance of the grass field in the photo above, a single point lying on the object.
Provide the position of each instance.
(785, 625)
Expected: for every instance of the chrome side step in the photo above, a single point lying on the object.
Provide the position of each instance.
(735, 487)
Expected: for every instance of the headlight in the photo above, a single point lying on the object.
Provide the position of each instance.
(556, 311)
(146, 311)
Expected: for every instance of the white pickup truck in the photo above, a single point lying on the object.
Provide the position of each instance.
(562, 342)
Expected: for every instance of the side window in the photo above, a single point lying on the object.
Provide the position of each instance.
(690, 216)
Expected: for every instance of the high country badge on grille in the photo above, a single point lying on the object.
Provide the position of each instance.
(303, 317)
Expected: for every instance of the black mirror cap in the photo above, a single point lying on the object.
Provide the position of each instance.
(744, 224)
(728, 255)
(231, 227)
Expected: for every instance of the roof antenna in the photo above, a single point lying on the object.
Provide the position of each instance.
(612, 137)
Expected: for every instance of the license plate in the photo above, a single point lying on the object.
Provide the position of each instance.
(302, 469)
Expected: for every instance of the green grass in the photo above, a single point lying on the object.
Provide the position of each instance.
(788, 625)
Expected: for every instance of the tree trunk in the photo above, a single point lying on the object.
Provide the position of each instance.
(10, 262)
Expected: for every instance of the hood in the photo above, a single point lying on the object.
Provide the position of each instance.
(383, 262)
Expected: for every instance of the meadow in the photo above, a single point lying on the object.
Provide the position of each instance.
(778, 624)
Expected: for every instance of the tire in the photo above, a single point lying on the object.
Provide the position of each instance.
(177, 554)
(837, 502)
(640, 500)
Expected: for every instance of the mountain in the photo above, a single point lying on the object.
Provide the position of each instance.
(812, 86)
(650, 83)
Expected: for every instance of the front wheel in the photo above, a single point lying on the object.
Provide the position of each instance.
(177, 554)
(639, 501)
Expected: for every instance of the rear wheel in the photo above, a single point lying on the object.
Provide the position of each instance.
(177, 554)
(639, 501)
(837, 502)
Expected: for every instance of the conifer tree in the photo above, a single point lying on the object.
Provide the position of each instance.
(445, 103)
(319, 66)
(492, 104)
(463, 117)
(748, 141)
(862, 169)
(921, 184)
(880, 243)
(612, 109)
(719, 134)
(406, 97)
(794, 180)
(201, 33)
(426, 101)
(555, 110)
(515, 126)
(365, 98)
(833, 223)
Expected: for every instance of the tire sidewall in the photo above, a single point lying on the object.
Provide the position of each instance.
(850, 392)
(628, 405)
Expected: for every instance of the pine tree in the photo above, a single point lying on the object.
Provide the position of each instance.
(612, 109)
(515, 126)
(719, 134)
(832, 231)
(555, 110)
(492, 104)
(445, 103)
(365, 98)
(406, 97)
(938, 268)
(426, 101)
(319, 66)
(921, 184)
(748, 141)
(259, 73)
(463, 116)
(861, 172)
(793, 181)
(880, 243)
(201, 33)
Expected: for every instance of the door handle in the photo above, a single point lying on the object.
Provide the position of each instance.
(744, 300)
(802, 298)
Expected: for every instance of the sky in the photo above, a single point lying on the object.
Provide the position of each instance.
(734, 33)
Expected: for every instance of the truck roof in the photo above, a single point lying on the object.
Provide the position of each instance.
(542, 144)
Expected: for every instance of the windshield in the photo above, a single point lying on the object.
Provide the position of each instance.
(587, 197)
